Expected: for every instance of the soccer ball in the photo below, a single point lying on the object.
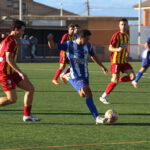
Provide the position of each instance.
(112, 116)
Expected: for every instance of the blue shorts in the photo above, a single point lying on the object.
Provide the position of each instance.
(80, 83)
(145, 63)
(145, 59)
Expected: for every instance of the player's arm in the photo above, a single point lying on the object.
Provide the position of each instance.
(113, 49)
(97, 61)
(53, 45)
(51, 42)
(11, 62)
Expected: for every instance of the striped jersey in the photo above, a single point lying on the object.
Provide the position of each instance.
(119, 40)
(78, 57)
(9, 44)
(67, 37)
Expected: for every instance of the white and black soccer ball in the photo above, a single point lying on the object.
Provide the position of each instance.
(111, 115)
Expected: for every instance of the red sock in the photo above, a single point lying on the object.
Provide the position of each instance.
(110, 87)
(124, 79)
(58, 72)
(67, 70)
(27, 110)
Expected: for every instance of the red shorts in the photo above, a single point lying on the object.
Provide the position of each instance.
(9, 82)
(63, 58)
(116, 68)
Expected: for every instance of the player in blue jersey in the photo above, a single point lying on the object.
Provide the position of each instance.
(77, 52)
(145, 63)
(67, 71)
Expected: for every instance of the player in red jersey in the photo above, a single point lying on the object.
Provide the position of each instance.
(63, 58)
(10, 74)
(119, 51)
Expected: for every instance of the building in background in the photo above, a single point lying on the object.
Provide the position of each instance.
(145, 6)
(42, 19)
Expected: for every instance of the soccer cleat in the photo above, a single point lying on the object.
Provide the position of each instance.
(63, 79)
(55, 82)
(100, 120)
(30, 118)
(66, 76)
(135, 84)
(104, 100)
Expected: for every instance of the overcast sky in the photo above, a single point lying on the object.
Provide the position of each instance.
(122, 8)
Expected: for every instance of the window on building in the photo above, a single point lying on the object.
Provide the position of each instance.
(9, 3)
(24, 7)
(16, 5)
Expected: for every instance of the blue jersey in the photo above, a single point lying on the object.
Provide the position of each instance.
(78, 57)
(148, 40)
(76, 36)
(145, 58)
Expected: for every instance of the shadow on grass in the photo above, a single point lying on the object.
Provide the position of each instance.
(75, 113)
(81, 124)
(129, 124)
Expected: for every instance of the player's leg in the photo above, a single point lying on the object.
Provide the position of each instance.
(109, 89)
(28, 88)
(127, 68)
(115, 71)
(9, 87)
(86, 91)
(11, 97)
(62, 75)
(144, 67)
(58, 72)
(62, 62)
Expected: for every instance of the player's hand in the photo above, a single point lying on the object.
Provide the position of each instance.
(119, 49)
(105, 70)
(22, 75)
(50, 37)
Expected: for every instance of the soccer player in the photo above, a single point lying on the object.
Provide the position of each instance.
(10, 74)
(145, 63)
(77, 52)
(76, 30)
(119, 51)
(62, 75)
(63, 58)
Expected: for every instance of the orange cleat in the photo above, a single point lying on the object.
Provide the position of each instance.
(63, 79)
(55, 82)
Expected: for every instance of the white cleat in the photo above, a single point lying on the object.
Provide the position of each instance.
(67, 76)
(30, 118)
(135, 84)
(100, 120)
(104, 100)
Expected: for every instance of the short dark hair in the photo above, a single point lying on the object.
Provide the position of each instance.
(123, 19)
(84, 33)
(17, 24)
(71, 26)
(76, 25)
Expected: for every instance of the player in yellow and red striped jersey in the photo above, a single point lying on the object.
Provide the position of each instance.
(10, 74)
(63, 58)
(119, 52)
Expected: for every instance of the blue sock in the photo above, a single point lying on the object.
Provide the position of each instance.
(72, 83)
(138, 76)
(92, 107)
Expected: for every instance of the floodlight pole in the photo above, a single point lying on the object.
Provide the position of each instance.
(139, 30)
(61, 12)
(88, 7)
(20, 10)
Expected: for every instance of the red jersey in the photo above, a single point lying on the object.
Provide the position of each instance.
(63, 58)
(67, 37)
(119, 40)
(9, 44)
